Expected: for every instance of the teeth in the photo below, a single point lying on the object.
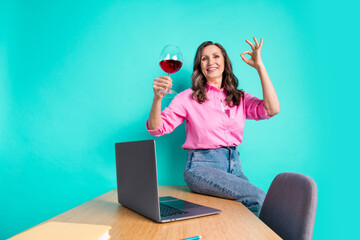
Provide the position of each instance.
(209, 69)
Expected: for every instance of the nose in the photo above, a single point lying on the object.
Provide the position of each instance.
(211, 61)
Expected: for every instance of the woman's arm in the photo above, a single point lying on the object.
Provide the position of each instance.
(155, 114)
(160, 83)
(271, 101)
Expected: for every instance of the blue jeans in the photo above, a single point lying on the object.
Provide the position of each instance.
(218, 172)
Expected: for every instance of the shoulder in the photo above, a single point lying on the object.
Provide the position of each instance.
(182, 98)
(186, 94)
(247, 98)
(247, 95)
(181, 102)
(250, 99)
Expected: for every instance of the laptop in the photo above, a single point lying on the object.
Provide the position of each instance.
(137, 185)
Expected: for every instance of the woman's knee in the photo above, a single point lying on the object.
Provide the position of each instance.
(195, 180)
(209, 181)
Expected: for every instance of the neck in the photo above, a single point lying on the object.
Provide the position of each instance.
(215, 82)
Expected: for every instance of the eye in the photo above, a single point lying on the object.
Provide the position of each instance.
(216, 56)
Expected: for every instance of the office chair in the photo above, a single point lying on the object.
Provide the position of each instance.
(290, 205)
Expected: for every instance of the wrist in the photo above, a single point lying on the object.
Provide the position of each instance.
(260, 67)
(157, 98)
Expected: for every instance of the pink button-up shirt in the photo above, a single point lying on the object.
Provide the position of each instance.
(211, 124)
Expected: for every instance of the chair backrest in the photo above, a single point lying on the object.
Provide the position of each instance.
(290, 205)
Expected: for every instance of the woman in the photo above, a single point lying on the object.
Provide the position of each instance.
(215, 112)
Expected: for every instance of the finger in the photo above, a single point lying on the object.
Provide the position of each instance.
(261, 42)
(257, 43)
(246, 52)
(162, 85)
(248, 61)
(162, 80)
(157, 89)
(166, 77)
(244, 58)
(159, 92)
(251, 44)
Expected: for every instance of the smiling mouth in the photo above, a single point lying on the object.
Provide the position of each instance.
(212, 69)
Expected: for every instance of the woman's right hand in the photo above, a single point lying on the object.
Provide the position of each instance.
(161, 83)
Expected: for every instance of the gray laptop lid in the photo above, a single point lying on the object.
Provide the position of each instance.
(137, 177)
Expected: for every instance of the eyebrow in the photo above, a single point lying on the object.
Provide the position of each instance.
(210, 54)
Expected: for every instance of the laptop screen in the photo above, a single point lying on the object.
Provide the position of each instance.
(137, 177)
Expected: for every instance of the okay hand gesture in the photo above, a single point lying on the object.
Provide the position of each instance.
(255, 60)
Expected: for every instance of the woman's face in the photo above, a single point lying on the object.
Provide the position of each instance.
(212, 62)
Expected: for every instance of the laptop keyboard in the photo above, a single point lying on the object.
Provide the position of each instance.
(166, 211)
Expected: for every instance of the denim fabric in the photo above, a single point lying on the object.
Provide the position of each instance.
(218, 172)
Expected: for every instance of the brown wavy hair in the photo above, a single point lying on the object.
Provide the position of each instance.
(229, 80)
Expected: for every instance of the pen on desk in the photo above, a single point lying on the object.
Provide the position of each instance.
(192, 238)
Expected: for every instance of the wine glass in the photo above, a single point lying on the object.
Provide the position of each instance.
(170, 61)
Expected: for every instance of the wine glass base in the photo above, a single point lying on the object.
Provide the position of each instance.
(169, 93)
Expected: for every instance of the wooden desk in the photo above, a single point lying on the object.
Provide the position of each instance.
(234, 222)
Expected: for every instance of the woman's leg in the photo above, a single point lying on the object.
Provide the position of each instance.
(211, 172)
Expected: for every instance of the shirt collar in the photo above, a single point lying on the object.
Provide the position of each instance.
(209, 87)
(213, 91)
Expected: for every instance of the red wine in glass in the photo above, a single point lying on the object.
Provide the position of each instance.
(170, 62)
(170, 66)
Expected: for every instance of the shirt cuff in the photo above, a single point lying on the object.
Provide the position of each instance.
(263, 114)
(153, 132)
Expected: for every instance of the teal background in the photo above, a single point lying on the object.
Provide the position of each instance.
(76, 77)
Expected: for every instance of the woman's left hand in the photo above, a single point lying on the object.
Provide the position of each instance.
(255, 60)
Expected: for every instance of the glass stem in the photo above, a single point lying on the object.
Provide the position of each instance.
(168, 90)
